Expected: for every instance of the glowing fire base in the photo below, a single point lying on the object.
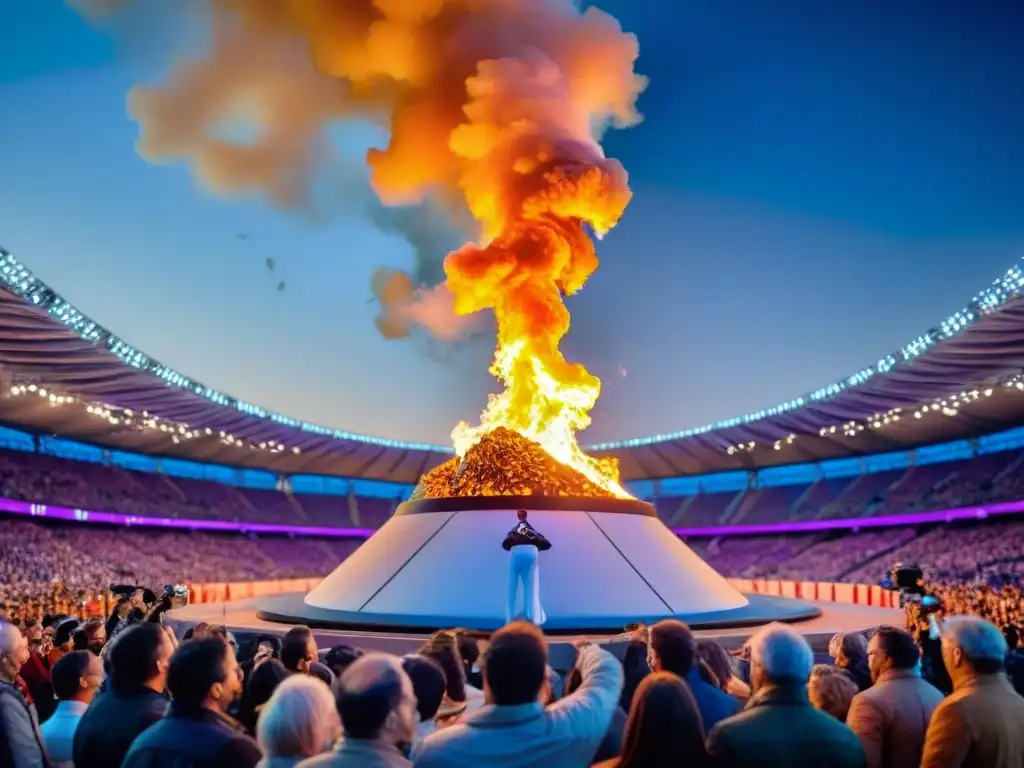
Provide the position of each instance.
(439, 563)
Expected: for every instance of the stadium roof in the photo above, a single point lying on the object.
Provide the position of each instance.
(67, 375)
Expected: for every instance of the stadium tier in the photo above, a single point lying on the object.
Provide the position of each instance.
(805, 492)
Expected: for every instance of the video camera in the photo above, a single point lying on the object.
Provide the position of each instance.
(908, 579)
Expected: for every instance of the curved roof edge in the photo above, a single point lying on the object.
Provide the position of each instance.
(994, 316)
(20, 280)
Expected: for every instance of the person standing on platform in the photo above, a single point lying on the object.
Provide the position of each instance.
(523, 543)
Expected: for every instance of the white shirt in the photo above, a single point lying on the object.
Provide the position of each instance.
(59, 732)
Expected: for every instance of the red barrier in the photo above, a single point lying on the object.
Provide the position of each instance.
(858, 594)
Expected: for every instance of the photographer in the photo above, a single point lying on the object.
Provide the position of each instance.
(138, 605)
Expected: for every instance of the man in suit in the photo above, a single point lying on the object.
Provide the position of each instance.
(780, 727)
(523, 543)
(891, 717)
(981, 724)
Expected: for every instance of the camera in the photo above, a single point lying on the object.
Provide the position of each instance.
(908, 579)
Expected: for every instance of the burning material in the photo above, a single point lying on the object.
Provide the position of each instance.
(492, 106)
(504, 463)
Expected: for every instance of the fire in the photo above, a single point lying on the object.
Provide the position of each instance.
(495, 106)
(541, 253)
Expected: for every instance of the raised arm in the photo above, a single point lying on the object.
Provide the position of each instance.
(587, 712)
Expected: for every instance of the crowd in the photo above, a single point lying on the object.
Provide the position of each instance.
(48, 567)
(42, 478)
(659, 697)
(45, 479)
(68, 568)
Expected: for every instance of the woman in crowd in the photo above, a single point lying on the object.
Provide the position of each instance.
(831, 690)
(664, 728)
(259, 688)
(852, 656)
(714, 655)
(459, 697)
(299, 721)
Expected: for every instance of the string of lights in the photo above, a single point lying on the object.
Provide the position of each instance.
(948, 406)
(144, 421)
(18, 279)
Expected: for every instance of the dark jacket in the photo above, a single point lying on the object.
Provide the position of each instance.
(780, 729)
(109, 726)
(714, 704)
(21, 743)
(197, 739)
(524, 534)
(612, 744)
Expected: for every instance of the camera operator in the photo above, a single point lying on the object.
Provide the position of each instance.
(922, 611)
(137, 605)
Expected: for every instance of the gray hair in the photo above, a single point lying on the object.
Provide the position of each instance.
(299, 720)
(980, 640)
(10, 636)
(783, 655)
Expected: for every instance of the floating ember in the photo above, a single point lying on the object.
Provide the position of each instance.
(504, 463)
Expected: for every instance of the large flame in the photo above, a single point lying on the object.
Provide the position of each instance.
(494, 105)
(540, 252)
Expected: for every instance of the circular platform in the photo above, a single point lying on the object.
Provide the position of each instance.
(439, 563)
(759, 610)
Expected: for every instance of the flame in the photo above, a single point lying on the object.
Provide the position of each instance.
(541, 251)
(495, 104)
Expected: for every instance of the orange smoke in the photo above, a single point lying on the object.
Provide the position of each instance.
(494, 105)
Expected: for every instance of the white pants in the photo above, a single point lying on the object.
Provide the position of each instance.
(524, 586)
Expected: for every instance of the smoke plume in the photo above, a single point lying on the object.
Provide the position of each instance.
(466, 89)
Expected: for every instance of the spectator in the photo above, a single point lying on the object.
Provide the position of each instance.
(260, 686)
(36, 671)
(672, 648)
(469, 651)
(90, 636)
(981, 724)
(853, 658)
(63, 639)
(21, 745)
(779, 726)
(611, 745)
(428, 684)
(635, 667)
(298, 650)
(514, 728)
(261, 648)
(76, 678)
(340, 657)
(299, 721)
(831, 690)
(664, 727)
(204, 679)
(132, 698)
(719, 661)
(378, 716)
(443, 648)
(891, 717)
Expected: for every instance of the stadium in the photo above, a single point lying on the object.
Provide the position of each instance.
(147, 476)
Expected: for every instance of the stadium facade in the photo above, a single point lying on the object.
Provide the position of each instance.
(958, 385)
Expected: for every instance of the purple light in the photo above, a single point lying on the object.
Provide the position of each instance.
(848, 523)
(24, 508)
(113, 518)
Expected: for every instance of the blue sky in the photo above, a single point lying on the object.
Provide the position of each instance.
(814, 184)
